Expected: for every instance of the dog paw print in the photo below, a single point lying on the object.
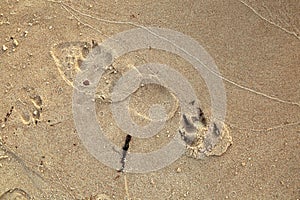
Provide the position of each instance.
(203, 139)
(29, 106)
(68, 57)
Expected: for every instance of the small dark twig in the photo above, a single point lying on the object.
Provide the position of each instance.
(124, 153)
(7, 115)
(127, 141)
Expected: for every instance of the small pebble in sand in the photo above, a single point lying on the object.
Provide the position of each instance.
(152, 181)
(15, 43)
(4, 48)
(86, 82)
(35, 113)
(178, 170)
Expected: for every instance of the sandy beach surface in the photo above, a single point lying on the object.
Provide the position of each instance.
(255, 46)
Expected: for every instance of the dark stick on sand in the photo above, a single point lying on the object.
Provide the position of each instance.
(124, 153)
